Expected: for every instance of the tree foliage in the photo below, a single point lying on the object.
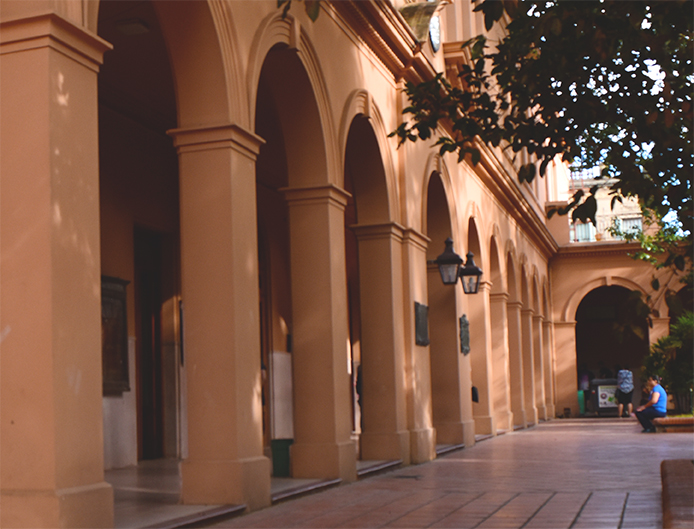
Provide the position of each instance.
(671, 359)
(605, 83)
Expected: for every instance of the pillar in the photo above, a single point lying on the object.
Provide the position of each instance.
(384, 410)
(219, 279)
(549, 367)
(515, 355)
(450, 367)
(539, 365)
(417, 359)
(500, 360)
(322, 400)
(528, 365)
(481, 359)
(566, 373)
(51, 434)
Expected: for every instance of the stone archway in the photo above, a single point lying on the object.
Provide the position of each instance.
(515, 345)
(498, 310)
(303, 215)
(218, 317)
(605, 337)
(374, 257)
(451, 385)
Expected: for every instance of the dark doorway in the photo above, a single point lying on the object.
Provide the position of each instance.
(610, 332)
(148, 304)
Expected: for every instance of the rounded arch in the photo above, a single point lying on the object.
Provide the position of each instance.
(496, 270)
(360, 103)
(546, 306)
(286, 33)
(525, 282)
(474, 242)
(436, 167)
(511, 273)
(574, 299)
(536, 291)
(206, 91)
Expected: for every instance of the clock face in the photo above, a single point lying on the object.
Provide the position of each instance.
(435, 32)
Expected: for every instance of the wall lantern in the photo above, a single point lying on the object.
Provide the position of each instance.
(451, 268)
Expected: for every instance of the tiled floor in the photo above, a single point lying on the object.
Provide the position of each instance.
(575, 473)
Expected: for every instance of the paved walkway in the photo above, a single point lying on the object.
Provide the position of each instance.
(580, 473)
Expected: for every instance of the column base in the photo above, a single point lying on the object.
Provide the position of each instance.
(519, 419)
(226, 482)
(89, 506)
(542, 413)
(485, 425)
(551, 411)
(422, 445)
(531, 416)
(324, 460)
(504, 421)
(386, 446)
(450, 433)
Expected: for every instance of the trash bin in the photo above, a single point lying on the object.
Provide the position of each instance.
(581, 402)
(602, 396)
(280, 457)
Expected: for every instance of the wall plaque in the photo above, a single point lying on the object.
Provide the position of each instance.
(421, 324)
(464, 335)
(114, 336)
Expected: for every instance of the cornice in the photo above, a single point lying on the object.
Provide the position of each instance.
(384, 31)
(596, 249)
(380, 26)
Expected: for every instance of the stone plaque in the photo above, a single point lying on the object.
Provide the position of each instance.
(464, 335)
(421, 324)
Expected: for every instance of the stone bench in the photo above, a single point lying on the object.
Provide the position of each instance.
(678, 493)
(673, 424)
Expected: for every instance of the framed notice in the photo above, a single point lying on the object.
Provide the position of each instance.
(421, 324)
(114, 336)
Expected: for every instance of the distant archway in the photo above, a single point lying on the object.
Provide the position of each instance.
(604, 338)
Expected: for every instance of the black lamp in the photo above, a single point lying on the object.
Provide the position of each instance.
(450, 268)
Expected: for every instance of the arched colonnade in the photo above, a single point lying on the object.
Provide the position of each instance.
(339, 233)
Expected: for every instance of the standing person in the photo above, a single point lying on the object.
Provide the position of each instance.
(655, 407)
(625, 391)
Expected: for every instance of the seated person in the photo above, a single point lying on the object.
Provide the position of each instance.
(655, 407)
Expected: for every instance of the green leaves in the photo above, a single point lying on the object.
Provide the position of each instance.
(312, 7)
(604, 83)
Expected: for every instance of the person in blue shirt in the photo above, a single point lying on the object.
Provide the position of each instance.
(655, 407)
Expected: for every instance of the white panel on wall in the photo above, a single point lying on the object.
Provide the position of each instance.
(282, 411)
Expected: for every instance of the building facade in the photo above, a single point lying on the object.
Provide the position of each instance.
(212, 249)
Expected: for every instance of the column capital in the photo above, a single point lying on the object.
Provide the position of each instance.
(379, 231)
(302, 196)
(518, 305)
(499, 297)
(221, 136)
(485, 286)
(416, 238)
(50, 30)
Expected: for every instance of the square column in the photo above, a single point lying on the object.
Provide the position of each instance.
(322, 401)
(219, 276)
(515, 356)
(384, 408)
(451, 393)
(51, 434)
(550, 368)
(417, 363)
(528, 365)
(539, 360)
(481, 353)
(500, 361)
(566, 373)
